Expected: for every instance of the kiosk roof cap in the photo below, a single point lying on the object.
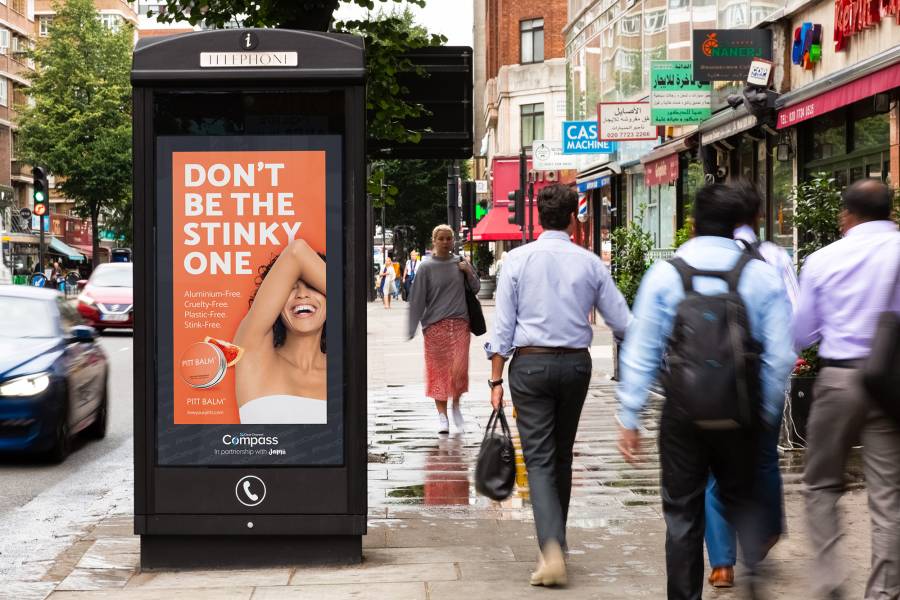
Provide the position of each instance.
(249, 54)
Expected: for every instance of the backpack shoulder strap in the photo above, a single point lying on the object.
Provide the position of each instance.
(733, 276)
(753, 249)
(686, 272)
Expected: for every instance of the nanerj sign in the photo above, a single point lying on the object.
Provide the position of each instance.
(726, 54)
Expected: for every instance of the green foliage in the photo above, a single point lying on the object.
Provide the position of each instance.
(817, 203)
(684, 233)
(631, 247)
(483, 259)
(79, 122)
(421, 199)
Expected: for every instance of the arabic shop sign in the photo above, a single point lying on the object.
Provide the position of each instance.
(623, 121)
(580, 137)
(675, 97)
(726, 54)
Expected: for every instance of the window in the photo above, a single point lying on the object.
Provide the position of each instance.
(532, 38)
(4, 41)
(44, 25)
(4, 93)
(532, 122)
(19, 6)
(111, 22)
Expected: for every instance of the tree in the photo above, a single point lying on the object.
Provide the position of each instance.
(78, 124)
(421, 199)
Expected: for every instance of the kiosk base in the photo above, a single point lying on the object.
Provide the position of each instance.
(180, 552)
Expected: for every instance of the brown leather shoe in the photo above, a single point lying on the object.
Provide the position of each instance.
(722, 577)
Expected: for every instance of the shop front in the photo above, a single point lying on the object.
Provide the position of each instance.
(841, 127)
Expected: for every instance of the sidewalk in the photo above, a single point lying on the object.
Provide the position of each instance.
(431, 537)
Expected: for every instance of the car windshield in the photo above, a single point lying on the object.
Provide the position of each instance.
(27, 318)
(112, 278)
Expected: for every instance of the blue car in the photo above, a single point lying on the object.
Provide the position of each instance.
(53, 374)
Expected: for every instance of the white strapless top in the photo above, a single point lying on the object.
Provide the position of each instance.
(284, 409)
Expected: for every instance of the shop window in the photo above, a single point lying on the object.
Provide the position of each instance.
(829, 136)
(532, 41)
(782, 204)
(532, 123)
(871, 132)
(667, 200)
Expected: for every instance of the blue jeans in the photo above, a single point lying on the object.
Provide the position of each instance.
(720, 537)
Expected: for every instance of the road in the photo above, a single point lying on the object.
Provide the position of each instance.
(43, 506)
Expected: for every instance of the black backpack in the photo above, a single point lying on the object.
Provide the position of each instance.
(713, 374)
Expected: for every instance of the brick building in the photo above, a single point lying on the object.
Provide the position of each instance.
(520, 97)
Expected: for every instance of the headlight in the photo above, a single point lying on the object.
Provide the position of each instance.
(85, 299)
(25, 386)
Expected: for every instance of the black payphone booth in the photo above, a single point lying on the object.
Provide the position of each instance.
(250, 412)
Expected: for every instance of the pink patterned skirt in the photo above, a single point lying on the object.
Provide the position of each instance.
(447, 359)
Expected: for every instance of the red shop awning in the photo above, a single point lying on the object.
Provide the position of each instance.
(495, 226)
(864, 87)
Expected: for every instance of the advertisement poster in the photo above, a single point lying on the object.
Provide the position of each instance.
(726, 54)
(249, 287)
(248, 372)
(675, 97)
(623, 121)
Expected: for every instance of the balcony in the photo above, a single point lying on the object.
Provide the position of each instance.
(20, 171)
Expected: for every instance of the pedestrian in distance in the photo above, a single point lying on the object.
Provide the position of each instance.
(721, 541)
(843, 289)
(723, 321)
(387, 281)
(438, 303)
(409, 273)
(545, 293)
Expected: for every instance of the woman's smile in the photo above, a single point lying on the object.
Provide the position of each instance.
(302, 311)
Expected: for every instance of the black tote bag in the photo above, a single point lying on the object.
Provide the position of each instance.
(477, 324)
(495, 471)
(881, 371)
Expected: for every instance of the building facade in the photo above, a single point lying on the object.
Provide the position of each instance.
(521, 98)
(836, 114)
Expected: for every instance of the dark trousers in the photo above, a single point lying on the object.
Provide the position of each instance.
(688, 455)
(548, 391)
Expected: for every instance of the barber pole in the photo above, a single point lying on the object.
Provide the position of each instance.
(582, 209)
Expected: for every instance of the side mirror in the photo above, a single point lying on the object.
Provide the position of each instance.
(81, 283)
(82, 334)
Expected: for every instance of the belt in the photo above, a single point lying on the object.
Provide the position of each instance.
(525, 350)
(851, 363)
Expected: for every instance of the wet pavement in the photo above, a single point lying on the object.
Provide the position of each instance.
(432, 537)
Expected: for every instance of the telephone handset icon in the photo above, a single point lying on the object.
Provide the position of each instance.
(250, 490)
(253, 497)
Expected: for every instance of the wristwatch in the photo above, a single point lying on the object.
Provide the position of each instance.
(495, 382)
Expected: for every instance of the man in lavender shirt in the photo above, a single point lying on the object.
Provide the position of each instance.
(844, 287)
(546, 291)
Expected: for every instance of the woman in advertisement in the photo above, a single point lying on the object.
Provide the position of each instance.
(282, 377)
(438, 302)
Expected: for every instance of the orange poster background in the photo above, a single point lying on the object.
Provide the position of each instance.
(303, 175)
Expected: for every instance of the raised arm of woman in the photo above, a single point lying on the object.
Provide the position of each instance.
(297, 261)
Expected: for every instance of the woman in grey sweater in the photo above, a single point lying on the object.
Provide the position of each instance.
(438, 302)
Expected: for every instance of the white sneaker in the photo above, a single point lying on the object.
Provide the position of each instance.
(458, 421)
(443, 423)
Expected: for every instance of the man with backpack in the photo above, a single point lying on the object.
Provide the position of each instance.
(844, 287)
(723, 320)
(721, 542)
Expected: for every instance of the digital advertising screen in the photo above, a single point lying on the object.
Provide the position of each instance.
(249, 306)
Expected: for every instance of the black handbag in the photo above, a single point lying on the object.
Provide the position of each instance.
(495, 470)
(881, 370)
(477, 324)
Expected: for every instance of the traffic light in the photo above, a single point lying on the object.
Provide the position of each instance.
(468, 201)
(516, 208)
(41, 193)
